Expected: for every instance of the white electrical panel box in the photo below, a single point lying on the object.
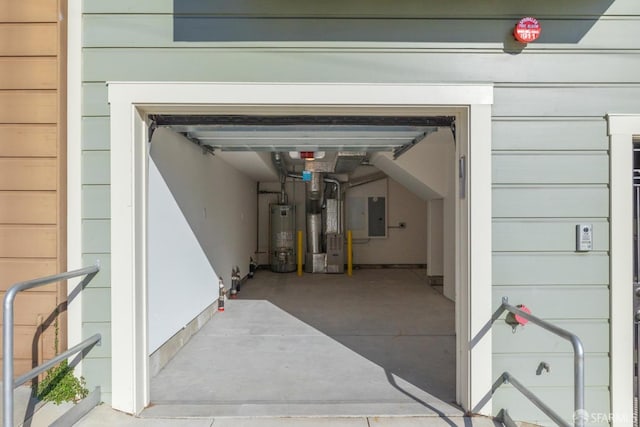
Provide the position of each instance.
(584, 237)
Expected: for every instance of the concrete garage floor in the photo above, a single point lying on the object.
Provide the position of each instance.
(378, 343)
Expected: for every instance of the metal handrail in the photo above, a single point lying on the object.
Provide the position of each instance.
(578, 360)
(8, 383)
(506, 419)
(506, 377)
(89, 342)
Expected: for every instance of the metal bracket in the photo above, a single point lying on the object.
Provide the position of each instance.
(510, 320)
(505, 379)
(206, 149)
(397, 152)
(462, 176)
(453, 131)
(636, 316)
(543, 366)
(152, 128)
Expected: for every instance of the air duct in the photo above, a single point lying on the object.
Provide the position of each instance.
(325, 248)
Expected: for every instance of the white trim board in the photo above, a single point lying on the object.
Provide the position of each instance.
(132, 101)
(622, 128)
(74, 176)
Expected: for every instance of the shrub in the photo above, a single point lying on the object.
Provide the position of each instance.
(60, 385)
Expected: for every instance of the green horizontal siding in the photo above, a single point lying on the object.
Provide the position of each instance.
(531, 339)
(557, 301)
(94, 100)
(103, 350)
(98, 373)
(405, 8)
(103, 278)
(550, 168)
(551, 235)
(549, 134)
(157, 30)
(125, 6)
(96, 202)
(524, 367)
(566, 101)
(559, 398)
(95, 132)
(96, 167)
(96, 305)
(96, 236)
(550, 269)
(550, 202)
(364, 65)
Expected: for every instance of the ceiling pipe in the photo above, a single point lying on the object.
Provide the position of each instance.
(279, 162)
(283, 198)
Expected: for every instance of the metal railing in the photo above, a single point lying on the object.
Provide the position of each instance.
(8, 383)
(578, 367)
(507, 378)
(636, 277)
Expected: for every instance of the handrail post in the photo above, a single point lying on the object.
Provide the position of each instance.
(578, 382)
(7, 355)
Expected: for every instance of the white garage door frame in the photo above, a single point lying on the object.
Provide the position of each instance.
(622, 129)
(130, 104)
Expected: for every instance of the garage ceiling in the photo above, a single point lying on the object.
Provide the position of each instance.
(259, 135)
(302, 133)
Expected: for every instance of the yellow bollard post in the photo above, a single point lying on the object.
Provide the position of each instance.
(299, 252)
(349, 253)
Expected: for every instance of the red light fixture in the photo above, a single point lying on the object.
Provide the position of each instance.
(307, 155)
(527, 30)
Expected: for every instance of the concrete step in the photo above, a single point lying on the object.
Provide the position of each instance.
(103, 416)
(24, 405)
(46, 415)
(28, 411)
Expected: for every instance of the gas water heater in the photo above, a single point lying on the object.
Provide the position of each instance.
(283, 242)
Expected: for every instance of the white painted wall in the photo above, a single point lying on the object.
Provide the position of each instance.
(435, 237)
(428, 170)
(181, 279)
(201, 222)
(402, 246)
(423, 169)
(356, 218)
(449, 241)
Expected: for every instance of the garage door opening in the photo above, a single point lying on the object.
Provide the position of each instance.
(132, 104)
(381, 341)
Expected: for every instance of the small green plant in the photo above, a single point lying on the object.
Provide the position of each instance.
(60, 385)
